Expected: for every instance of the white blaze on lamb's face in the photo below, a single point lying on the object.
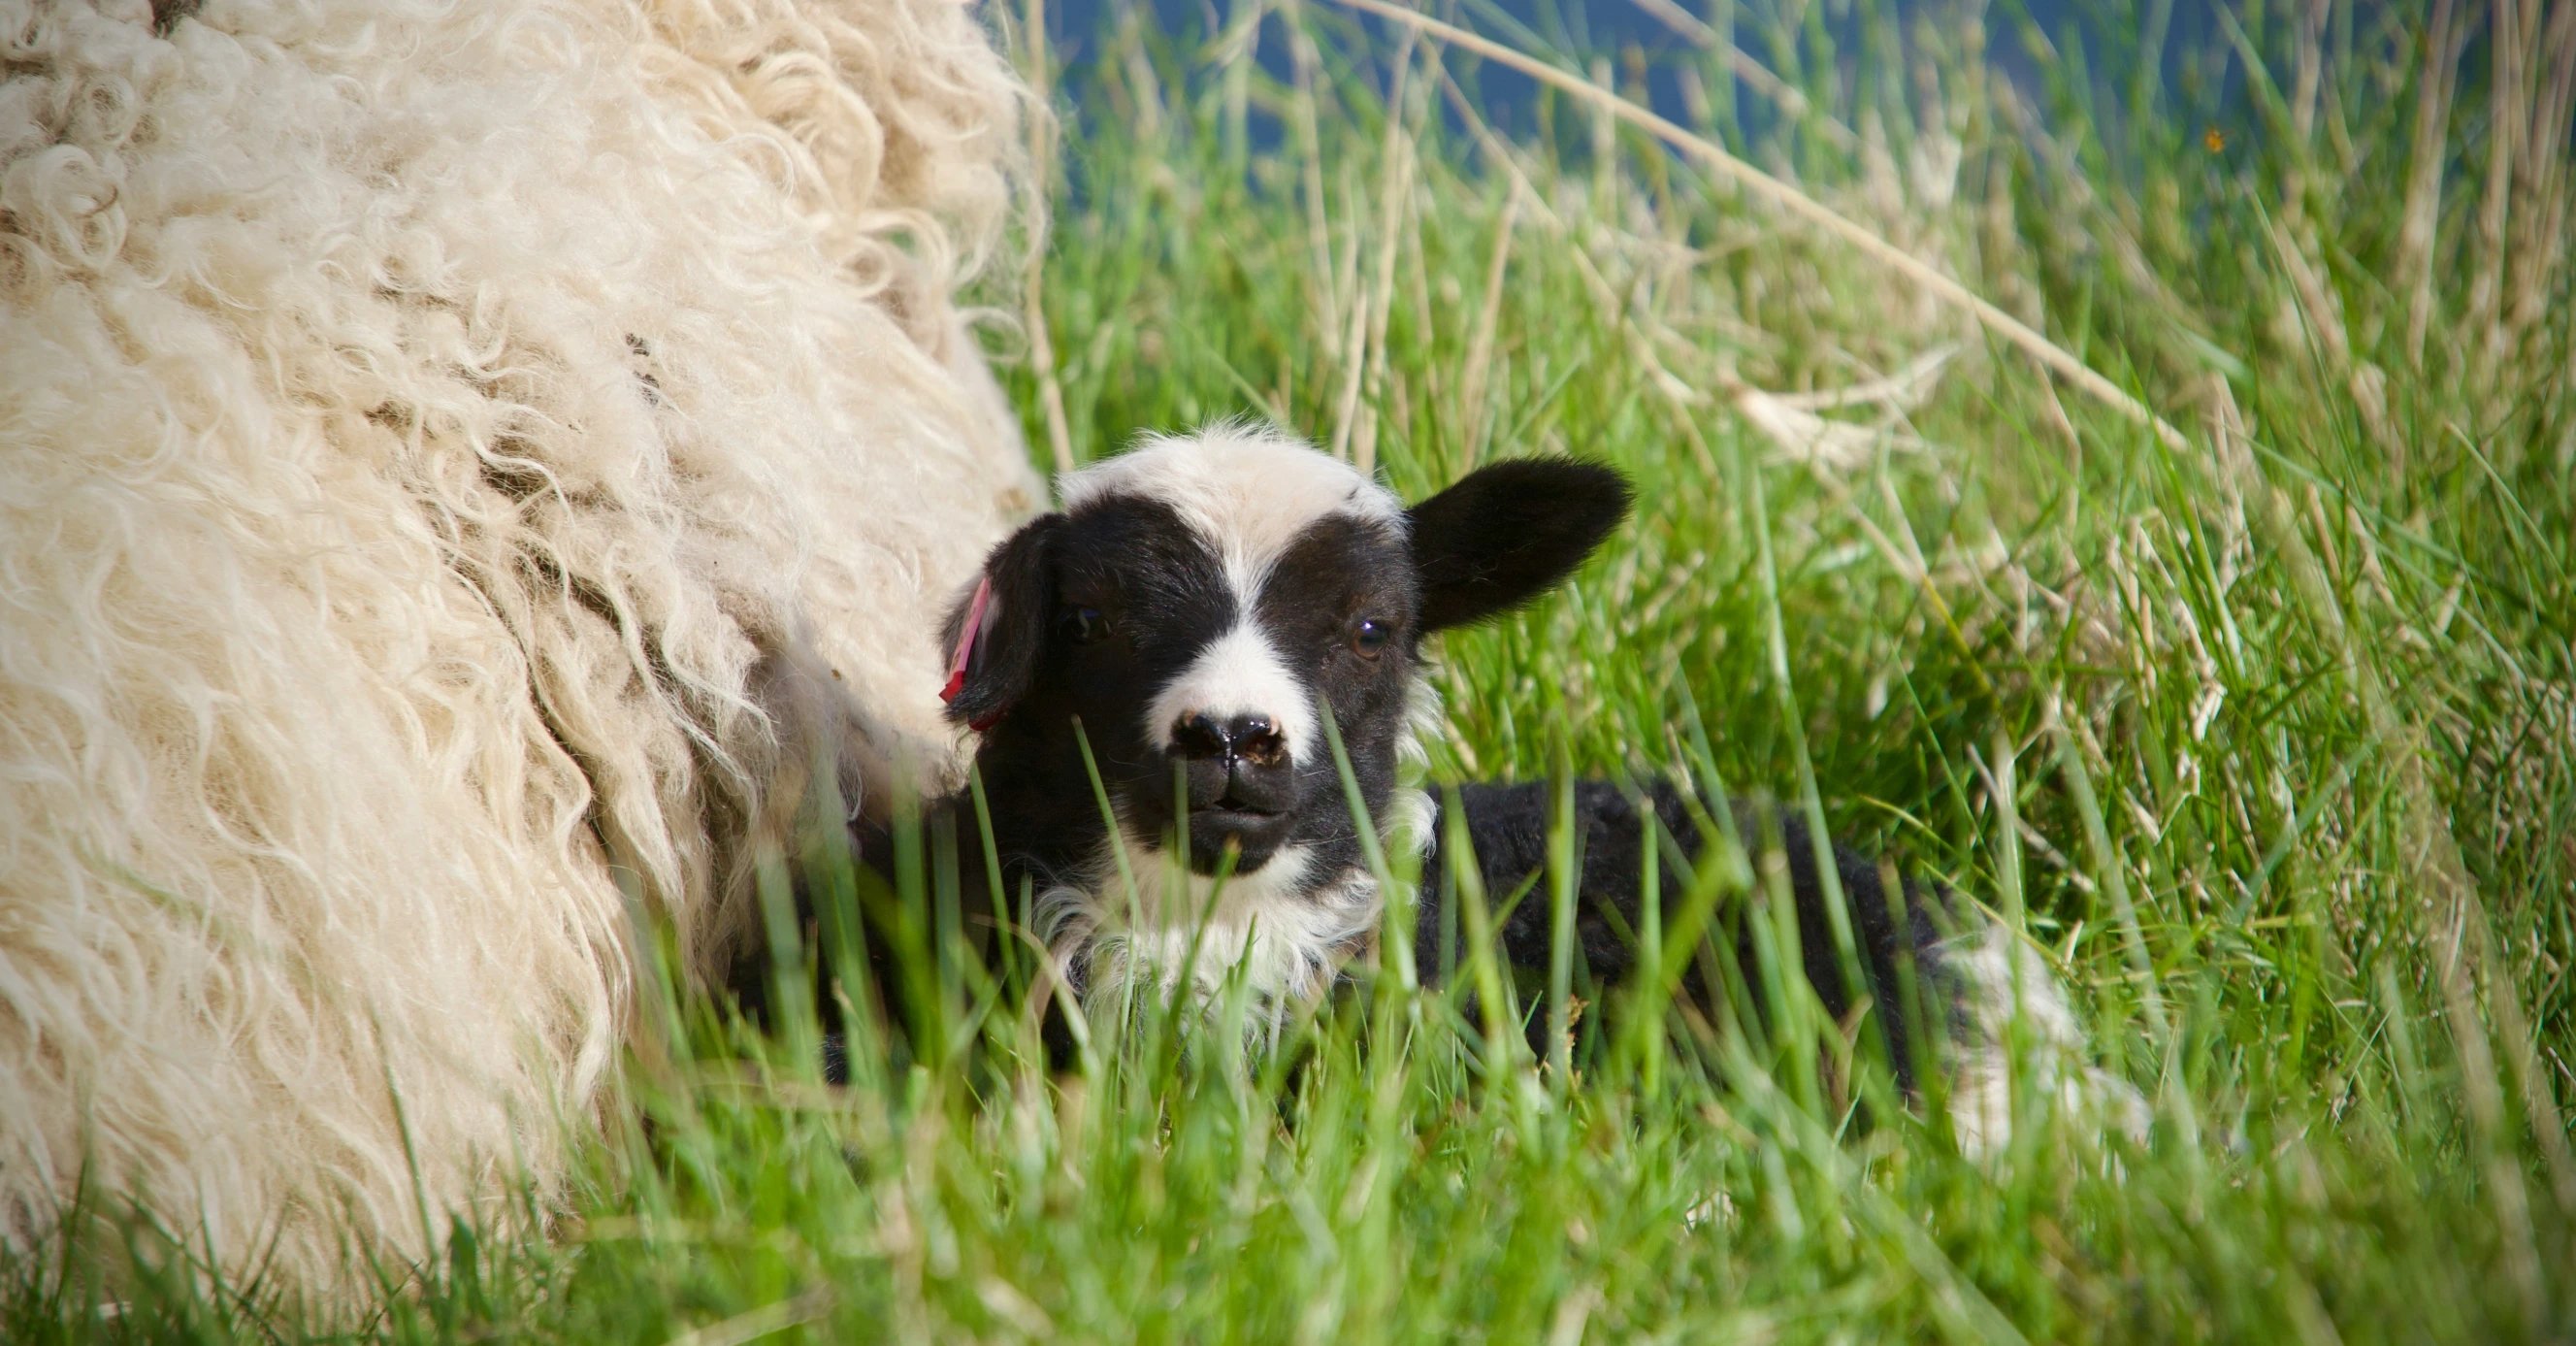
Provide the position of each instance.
(1189, 616)
(1238, 691)
(1250, 497)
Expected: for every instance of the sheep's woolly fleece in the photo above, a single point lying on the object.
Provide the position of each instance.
(457, 457)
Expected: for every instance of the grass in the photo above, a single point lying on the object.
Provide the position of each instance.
(2265, 734)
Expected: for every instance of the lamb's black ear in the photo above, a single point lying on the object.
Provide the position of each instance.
(1012, 629)
(1509, 532)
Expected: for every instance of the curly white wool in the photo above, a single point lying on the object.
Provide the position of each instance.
(446, 443)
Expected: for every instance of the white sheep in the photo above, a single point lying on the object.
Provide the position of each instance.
(454, 458)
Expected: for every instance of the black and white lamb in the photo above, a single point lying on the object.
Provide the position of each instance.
(1191, 613)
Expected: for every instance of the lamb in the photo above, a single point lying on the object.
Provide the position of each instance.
(465, 459)
(1187, 624)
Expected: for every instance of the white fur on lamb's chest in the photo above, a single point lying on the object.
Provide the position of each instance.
(1284, 929)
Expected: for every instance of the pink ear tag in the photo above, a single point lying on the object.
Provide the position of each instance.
(966, 640)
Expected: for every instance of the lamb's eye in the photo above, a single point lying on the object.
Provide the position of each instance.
(1370, 637)
(1083, 626)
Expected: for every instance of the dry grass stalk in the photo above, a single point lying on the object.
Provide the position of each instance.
(2513, 32)
(1303, 60)
(2303, 97)
(1237, 56)
(1903, 390)
(1791, 422)
(1605, 147)
(1353, 345)
(2325, 320)
(1033, 277)
(2541, 226)
(2435, 78)
(1480, 346)
(1395, 199)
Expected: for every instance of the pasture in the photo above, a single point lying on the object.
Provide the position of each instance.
(2242, 675)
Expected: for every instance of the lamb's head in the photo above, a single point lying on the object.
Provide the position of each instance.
(1197, 602)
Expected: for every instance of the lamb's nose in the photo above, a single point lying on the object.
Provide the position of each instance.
(1252, 738)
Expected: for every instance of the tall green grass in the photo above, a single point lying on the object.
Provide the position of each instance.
(2265, 736)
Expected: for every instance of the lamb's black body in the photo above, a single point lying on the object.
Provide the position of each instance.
(1508, 827)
